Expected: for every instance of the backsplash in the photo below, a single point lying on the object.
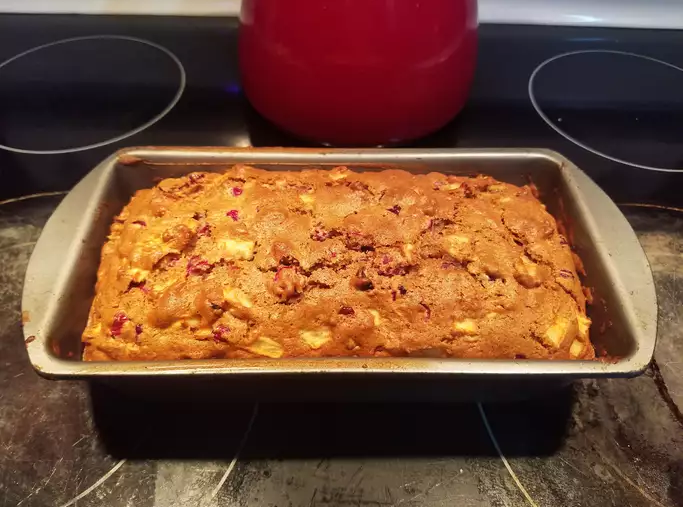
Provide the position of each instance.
(160, 7)
(615, 13)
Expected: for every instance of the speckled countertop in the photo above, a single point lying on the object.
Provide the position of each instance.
(607, 442)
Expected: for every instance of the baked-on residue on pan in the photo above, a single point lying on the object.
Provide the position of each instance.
(255, 263)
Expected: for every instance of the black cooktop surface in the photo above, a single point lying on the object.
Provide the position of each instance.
(75, 88)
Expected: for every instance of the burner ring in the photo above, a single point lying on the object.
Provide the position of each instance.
(573, 139)
(136, 130)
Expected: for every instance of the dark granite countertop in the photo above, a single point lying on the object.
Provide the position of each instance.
(599, 442)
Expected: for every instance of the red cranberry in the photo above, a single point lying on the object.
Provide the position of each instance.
(220, 334)
(395, 209)
(139, 285)
(204, 230)
(138, 329)
(197, 266)
(346, 310)
(117, 326)
(389, 266)
(233, 213)
(402, 290)
(319, 235)
(141, 223)
(236, 191)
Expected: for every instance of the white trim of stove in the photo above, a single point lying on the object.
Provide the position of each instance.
(612, 13)
(157, 7)
(603, 13)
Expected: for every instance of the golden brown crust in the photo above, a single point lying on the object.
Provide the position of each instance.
(254, 263)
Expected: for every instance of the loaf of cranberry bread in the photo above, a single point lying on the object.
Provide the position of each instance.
(254, 263)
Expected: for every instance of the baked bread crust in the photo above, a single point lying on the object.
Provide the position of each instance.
(255, 263)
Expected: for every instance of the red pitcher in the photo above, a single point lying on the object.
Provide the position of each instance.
(358, 72)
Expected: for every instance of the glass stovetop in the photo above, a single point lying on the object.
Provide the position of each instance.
(166, 81)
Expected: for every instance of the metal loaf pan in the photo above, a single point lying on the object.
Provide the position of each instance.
(61, 274)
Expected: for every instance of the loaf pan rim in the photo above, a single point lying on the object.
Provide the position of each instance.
(50, 366)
